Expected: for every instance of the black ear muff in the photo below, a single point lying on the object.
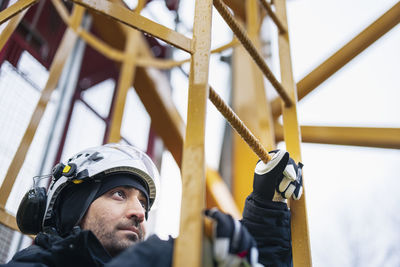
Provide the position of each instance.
(31, 211)
(58, 171)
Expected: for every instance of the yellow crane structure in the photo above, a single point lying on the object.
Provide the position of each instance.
(121, 39)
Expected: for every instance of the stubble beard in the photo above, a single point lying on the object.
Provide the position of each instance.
(115, 244)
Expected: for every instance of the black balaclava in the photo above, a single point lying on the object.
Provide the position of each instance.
(75, 199)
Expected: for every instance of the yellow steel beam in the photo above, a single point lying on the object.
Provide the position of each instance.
(188, 246)
(89, 38)
(352, 136)
(108, 30)
(62, 53)
(133, 19)
(10, 28)
(282, 28)
(8, 220)
(62, 11)
(150, 61)
(218, 194)
(15, 9)
(251, 105)
(238, 7)
(299, 223)
(153, 89)
(99, 45)
(158, 63)
(265, 124)
(125, 81)
(244, 159)
(345, 54)
(222, 48)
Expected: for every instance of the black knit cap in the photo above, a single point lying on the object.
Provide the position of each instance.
(75, 199)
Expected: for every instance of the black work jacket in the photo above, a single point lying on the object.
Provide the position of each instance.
(268, 223)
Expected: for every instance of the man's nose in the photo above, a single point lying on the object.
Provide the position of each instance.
(135, 209)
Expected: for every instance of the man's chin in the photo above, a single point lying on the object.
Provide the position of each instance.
(121, 245)
(129, 237)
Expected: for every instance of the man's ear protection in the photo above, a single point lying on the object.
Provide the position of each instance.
(32, 209)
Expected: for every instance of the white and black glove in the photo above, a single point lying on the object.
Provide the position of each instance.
(233, 244)
(278, 179)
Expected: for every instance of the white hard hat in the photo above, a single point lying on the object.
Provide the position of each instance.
(117, 158)
(99, 162)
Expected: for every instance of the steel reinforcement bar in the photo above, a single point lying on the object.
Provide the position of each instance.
(271, 13)
(251, 49)
(239, 126)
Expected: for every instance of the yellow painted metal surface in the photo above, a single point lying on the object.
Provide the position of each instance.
(345, 54)
(244, 159)
(76, 17)
(160, 63)
(264, 121)
(218, 194)
(100, 46)
(299, 224)
(90, 39)
(150, 61)
(222, 48)
(125, 81)
(62, 11)
(154, 91)
(281, 27)
(354, 136)
(15, 9)
(238, 7)
(188, 246)
(10, 28)
(8, 220)
(133, 19)
(66, 46)
(251, 105)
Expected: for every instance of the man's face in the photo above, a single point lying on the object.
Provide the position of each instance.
(116, 218)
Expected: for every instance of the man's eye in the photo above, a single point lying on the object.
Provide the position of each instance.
(119, 194)
(143, 203)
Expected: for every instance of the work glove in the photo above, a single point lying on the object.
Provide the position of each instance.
(278, 179)
(233, 244)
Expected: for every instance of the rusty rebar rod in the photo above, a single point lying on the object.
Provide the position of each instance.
(239, 126)
(282, 29)
(251, 49)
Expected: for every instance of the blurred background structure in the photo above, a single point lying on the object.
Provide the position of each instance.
(74, 74)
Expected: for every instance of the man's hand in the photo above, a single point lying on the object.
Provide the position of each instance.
(233, 244)
(278, 179)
